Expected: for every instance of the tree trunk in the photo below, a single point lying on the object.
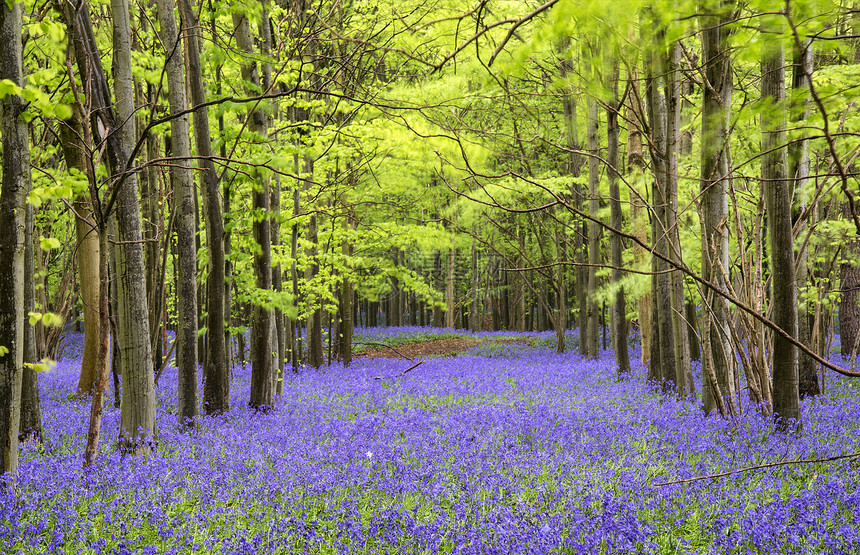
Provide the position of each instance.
(849, 303)
(449, 290)
(474, 317)
(216, 385)
(661, 225)
(71, 133)
(31, 407)
(593, 313)
(97, 405)
(798, 157)
(638, 216)
(774, 169)
(438, 312)
(716, 110)
(13, 203)
(683, 369)
(185, 224)
(692, 327)
(619, 304)
(347, 294)
(262, 370)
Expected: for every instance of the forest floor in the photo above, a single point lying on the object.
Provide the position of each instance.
(509, 447)
(452, 346)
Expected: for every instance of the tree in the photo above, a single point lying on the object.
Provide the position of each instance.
(774, 174)
(262, 370)
(185, 212)
(619, 305)
(719, 386)
(13, 200)
(216, 386)
(137, 420)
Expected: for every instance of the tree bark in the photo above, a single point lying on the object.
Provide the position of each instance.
(638, 197)
(74, 152)
(774, 169)
(262, 370)
(683, 369)
(663, 350)
(31, 407)
(798, 157)
(13, 202)
(716, 110)
(849, 302)
(216, 386)
(449, 290)
(619, 305)
(98, 392)
(138, 385)
(593, 314)
(185, 219)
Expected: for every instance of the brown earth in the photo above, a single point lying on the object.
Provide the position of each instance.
(435, 347)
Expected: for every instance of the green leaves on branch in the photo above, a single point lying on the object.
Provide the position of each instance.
(39, 102)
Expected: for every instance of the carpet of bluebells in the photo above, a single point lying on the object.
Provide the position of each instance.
(509, 448)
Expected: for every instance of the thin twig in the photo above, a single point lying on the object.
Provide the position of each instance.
(414, 366)
(759, 467)
(401, 355)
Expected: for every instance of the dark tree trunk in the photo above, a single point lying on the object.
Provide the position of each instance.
(849, 303)
(185, 210)
(692, 329)
(716, 111)
(216, 371)
(619, 305)
(13, 202)
(262, 370)
(798, 159)
(31, 407)
(774, 168)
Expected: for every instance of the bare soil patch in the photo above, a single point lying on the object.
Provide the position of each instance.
(432, 348)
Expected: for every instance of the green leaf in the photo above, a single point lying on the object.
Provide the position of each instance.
(3, 351)
(63, 111)
(44, 365)
(35, 317)
(51, 319)
(48, 243)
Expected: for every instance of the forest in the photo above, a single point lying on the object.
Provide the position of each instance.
(429, 276)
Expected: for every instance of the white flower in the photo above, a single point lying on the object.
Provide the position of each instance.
(369, 455)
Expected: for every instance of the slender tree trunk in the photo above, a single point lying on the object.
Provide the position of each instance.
(661, 288)
(438, 312)
(849, 303)
(262, 370)
(593, 314)
(31, 407)
(185, 223)
(13, 236)
(638, 216)
(692, 327)
(774, 169)
(449, 290)
(619, 304)
(798, 157)
(683, 369)
(216, 388)
(716, 110)
(347, 324)
(97, 405)
(71, 133)
(473, 321)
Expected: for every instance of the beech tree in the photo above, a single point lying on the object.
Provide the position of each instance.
(13, 234)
